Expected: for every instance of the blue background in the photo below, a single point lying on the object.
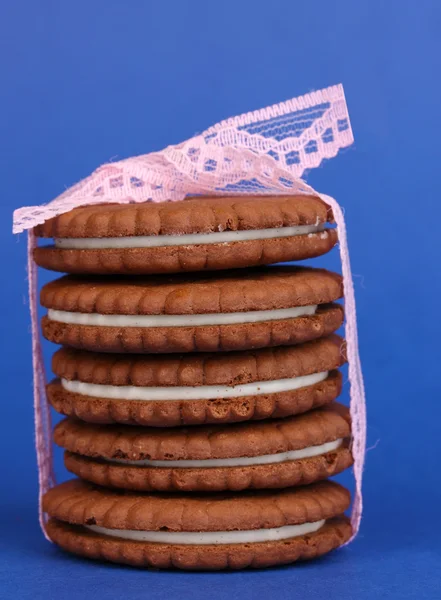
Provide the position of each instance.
(92, 80)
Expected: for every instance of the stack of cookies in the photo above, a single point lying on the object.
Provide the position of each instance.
(198, 383)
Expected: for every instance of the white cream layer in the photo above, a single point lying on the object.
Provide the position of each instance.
(265, 459)
(211, 537)
(201, 392)
(234, 318)
(155, 241)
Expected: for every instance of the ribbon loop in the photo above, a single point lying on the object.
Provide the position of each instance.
(261, 152)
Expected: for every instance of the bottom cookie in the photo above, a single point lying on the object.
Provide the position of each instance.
(81, 541)
(214, 532)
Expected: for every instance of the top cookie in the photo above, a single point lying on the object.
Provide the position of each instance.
(196, 234)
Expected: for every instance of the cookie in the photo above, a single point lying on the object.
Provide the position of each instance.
(270, 454)
(196, 234)
(194, 389)
(216, 531)
(228, 311)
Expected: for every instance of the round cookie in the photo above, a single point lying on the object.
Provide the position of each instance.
(270, 454)
(227, 311)
(196, 234)
(212, 532)
(194, 389)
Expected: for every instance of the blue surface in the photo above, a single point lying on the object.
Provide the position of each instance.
(84, 82)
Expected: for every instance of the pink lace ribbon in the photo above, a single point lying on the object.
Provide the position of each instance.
(357, 393)
(42, 415)
(261, 152)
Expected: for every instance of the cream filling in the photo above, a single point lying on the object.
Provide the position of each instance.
(201, 392)
(155, 241)
(244, 461)
(211, 537)
(234, 318)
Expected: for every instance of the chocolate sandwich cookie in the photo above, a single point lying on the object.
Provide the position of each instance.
(212, 532)
(195, 234)
(271, 454)
(193, 389)
(237, 310)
